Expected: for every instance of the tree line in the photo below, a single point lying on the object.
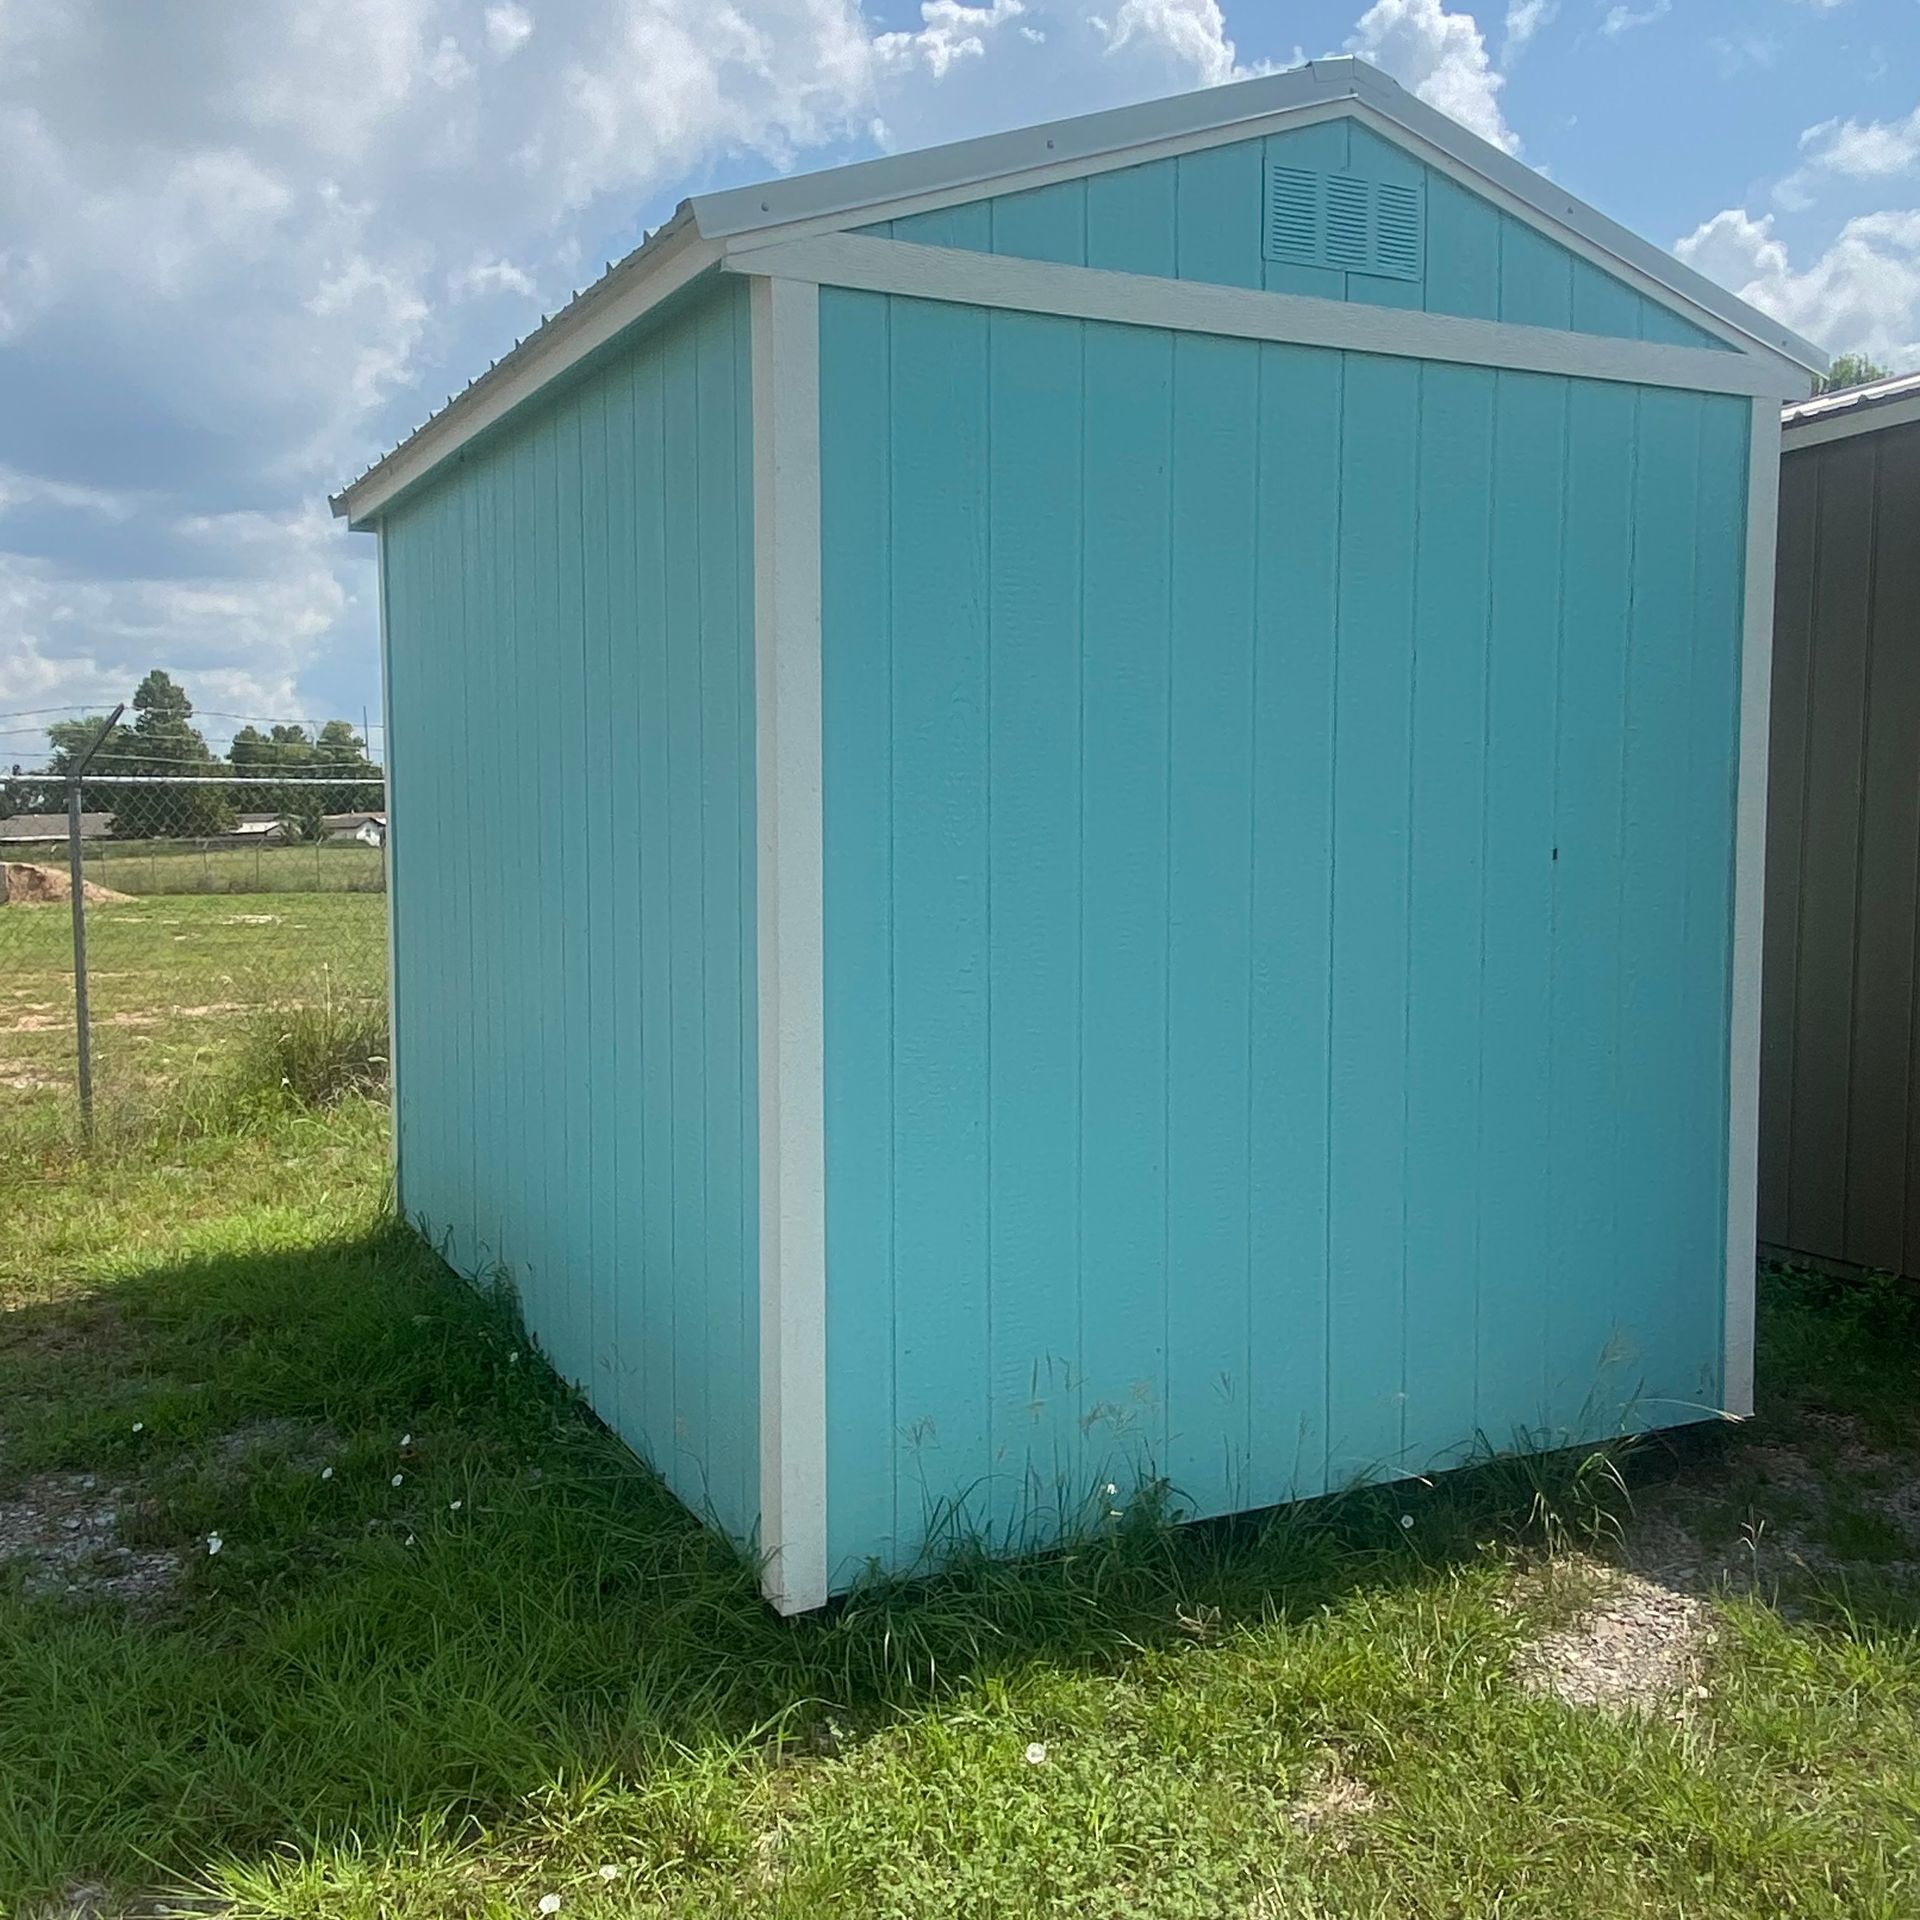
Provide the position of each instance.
(161, 739)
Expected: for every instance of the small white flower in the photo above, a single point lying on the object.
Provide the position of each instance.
(454, 1506)
(1037, 1753)
(214, 1544)
(513, 1359)
(139, 1426)
(326, 1473)
(406, 1439)
(609, 1873)
(549, 1903)
(409, 1539)
(1406, 1520)
(397, 1478)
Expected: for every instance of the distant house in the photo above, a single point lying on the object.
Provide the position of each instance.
(261, 826)
(370, 829)
(25, 828)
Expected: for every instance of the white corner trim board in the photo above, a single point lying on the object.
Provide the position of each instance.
(388, 857)
(1749, 897)
(1874, 417)
(785, 318)
(1191, 306)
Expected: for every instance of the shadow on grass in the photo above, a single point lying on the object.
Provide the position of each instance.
(440, 1587)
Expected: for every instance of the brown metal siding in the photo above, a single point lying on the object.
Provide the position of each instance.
(1839, 1150)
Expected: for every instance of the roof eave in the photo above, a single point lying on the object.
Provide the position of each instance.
(672, 251)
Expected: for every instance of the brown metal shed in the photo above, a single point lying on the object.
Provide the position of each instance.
(1840, 1045)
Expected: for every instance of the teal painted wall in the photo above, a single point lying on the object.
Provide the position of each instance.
(1198, 217)
(569, 627)
(1278, 824)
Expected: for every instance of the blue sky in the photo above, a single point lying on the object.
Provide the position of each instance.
(244, 249)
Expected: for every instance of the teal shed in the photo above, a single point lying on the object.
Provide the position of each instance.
(1085, 809)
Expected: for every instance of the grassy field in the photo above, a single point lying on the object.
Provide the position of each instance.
(178, 981)
(359, 1614)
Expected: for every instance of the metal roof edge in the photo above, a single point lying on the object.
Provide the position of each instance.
(861, 190)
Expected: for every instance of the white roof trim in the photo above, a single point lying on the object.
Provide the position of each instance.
(1874, 408)
(717, 224)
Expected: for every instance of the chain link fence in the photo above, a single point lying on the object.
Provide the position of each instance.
(230, 943)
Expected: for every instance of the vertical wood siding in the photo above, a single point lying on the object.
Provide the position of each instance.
(1199, 217)
(1839, 1150)
(1278, 824)
(570, 630)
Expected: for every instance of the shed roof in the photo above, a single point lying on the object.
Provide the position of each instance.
(1871, 408)
(706, 226)
(22, 827)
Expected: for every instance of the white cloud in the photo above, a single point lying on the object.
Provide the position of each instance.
(1623, 19)
(1193, 31)
(1439, 56)
(1525, 18)
(269, 239)
(507, 29)
(487, 274)
(1863, 149)
(19, 489)
(239, 632)
(949, 31)
(1862, 295)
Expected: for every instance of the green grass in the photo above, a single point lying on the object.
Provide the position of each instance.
(372, 1701)
(178, 985)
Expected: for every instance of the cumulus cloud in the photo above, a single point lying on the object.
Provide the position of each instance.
(1440, 57)
(241, 629)
(1860, 295)
(1525, 18)
(244, 249)
(1192, 30)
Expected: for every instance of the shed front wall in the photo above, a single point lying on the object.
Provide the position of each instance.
(1278, 832)
(569, 630)
(1840, 1154)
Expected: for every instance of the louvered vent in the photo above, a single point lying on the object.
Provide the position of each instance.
(1343, 221)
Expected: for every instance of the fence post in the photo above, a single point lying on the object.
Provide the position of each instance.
(77, 887)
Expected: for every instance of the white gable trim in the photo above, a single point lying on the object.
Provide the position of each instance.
(711, 226)
(1029, 157)
(1193, 306)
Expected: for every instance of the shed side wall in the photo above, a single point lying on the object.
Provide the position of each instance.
(570, 618)
(1198, 217)
(1840, 1154)
(1278, 842)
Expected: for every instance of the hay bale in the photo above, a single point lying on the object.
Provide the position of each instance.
(28, 885)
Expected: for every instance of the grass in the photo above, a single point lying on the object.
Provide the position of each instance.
(523, 1666)
(181, 985)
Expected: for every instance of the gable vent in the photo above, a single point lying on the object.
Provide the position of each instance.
(1343, 221)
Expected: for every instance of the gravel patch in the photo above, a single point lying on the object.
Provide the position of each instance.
(63, 1531)
(1635, 1647)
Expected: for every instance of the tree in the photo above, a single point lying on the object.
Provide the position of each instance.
(164, 741)
(67, 740)
(1848, 370)
(340, 753)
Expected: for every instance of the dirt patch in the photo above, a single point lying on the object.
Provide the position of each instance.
(1811, 1499)
(1635, 1646)
(1333, 1802)
(63, 1530)
(28, 885)
(278, 1442)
